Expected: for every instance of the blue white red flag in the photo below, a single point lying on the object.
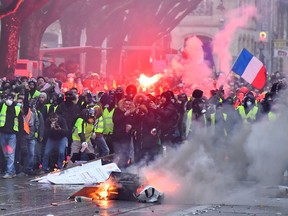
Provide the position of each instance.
(250, 69)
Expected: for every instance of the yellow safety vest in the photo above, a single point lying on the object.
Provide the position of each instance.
(36, 94)
(188, 122)
(3, 117)
(108, 121)
(213, 121)
(272, 116)
(99, 126)
(82, 127)
(250, 115)
(48, 107)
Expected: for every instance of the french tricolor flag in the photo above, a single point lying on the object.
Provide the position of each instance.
(250, 69)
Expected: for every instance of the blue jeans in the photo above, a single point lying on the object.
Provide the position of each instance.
(102, 146)
(38, 154)
(8, 145)
(60, 145)
(28, 152)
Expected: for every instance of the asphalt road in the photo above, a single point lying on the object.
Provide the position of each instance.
(19, 196)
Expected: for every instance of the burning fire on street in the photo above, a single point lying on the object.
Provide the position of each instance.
(126, 187)
(106, 190)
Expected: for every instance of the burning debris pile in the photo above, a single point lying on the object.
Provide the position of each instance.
(106, 182)
(121, 186)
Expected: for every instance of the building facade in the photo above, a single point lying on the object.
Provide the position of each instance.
(209, 19)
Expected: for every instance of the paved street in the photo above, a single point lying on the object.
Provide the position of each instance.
(19, 196)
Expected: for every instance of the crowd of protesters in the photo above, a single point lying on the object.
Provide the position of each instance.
(48, 123)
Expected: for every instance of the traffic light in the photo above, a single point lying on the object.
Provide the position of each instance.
(263, 36)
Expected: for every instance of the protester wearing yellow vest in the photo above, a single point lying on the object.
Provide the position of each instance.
(108, 107)
(10, 123)
(82, 133)
(248, 111)
(33, 92)
(98, 140)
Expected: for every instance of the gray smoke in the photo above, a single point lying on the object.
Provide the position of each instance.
(206, 169)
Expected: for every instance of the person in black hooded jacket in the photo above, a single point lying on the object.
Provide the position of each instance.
(56, 133)
(147, 141)
(123, 128)
(169, 117)
(69, 110)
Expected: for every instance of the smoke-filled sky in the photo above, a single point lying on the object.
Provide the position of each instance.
(235, 19)
(194, 69)
(205, 170)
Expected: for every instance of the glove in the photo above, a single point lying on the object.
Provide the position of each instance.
(93, 136)
(84, 146)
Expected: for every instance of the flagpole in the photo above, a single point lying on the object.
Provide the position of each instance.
(227, 75)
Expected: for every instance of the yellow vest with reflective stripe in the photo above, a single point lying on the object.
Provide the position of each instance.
(108, 121)
(82, 127)
(3, 117)
(48, 107)
(188, 121)
(99, 125)
(250, 115)
(213, 121)
(36, 94)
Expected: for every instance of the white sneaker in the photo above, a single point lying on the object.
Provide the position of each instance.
(8, 176)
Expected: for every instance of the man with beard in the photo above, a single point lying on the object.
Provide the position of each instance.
(33, 92)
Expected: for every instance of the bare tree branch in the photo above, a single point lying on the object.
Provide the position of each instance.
(11, 8)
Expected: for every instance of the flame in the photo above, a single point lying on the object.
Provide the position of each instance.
(148, 81)
(105, 190)
(141, 188)
(161, 180)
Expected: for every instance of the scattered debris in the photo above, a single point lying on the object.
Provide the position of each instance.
(82, 199)
(149, 195)
(105, 182)
(87, 173)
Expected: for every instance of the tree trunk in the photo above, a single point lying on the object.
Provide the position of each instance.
(9, 8)
(30, 48)
(10, 33)
(106, 21)
(114, 59)
(93, 59)
(71, 27)
(36, 24)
